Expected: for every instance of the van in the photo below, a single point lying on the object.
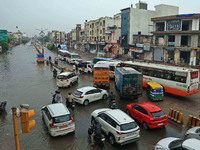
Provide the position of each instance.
(66, 79)
(58, 120)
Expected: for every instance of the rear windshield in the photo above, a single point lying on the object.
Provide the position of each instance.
(157, 114)
(128, 126)
(175, 144)
(78, 93)
(61, 119)
(61, 77)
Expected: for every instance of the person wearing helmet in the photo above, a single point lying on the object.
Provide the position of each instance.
(96, 130)
(111, 97)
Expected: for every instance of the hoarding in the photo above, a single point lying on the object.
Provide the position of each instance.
(173, 25)
(3, 38)
(3, 32)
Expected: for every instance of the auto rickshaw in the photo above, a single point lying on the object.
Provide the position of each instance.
(154, 91)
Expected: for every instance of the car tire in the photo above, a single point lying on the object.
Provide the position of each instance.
(104, 97)
(86, 102)
(111, 139)
(145, 126)
(128, 112)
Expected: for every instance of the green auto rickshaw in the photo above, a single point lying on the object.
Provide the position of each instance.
(154, 91)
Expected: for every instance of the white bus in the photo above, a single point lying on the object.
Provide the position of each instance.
(175, 80)
(62, 54)
(71, 57)
(112, 65)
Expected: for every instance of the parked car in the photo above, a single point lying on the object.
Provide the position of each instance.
(150, 115)
(86, 95)
(66, 79)
(193, 133)
(172, 143)
(117, 125)
(58, 120)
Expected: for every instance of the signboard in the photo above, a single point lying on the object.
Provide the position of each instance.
(147, 46)
(3, 32)
(173, 25)
(3, 38)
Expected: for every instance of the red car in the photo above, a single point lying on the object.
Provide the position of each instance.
(150, 115)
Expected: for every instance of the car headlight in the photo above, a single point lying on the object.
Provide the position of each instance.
(158, 147)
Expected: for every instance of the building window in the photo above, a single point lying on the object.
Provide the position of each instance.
(186, 25)
(103, 30)
(171, 40)
(100, 31)
(103, 23)
(160, 26)
(185, 40)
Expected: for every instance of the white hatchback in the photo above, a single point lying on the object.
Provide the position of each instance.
(86, 95)
(117, 125)
(172, 143)
(193, 133)
(58, 120)
(66, 79)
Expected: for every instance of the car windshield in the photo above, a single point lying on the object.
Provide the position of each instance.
(128, 126)
(61, 119)
(176, 144)
(198, 130)
(157, 114)
(78, 93)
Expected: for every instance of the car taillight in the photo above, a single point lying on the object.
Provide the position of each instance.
(119, 133)
(81, 96)
(52, 124)
(72, 119)
(67, 80)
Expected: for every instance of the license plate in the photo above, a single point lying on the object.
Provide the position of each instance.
(63, 126)
(159, 124)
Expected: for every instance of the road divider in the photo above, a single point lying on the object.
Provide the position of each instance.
(193, 121)
(175, 116)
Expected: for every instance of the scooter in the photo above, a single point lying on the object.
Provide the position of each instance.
(99, 139)
(113, 106)
(2, 106)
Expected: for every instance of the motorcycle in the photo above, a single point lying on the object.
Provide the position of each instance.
(2, 106)
(54, 74)
(99, 139)
(71, 105)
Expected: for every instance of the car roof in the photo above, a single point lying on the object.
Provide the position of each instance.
(119, 116)
(58, 109)
(148, 106)
(154, 85)
(191, 143)
(65, 73)
(85, 89)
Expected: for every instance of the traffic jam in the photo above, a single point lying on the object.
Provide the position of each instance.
(117, 126)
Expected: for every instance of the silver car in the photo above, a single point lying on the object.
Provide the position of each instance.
(193, 133)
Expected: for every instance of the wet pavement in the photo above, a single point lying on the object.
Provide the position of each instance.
(22, 80)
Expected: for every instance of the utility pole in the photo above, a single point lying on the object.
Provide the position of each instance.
(16, 134)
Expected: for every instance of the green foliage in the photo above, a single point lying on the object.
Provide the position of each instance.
(50, 46)
(4, 45)
(45, 39)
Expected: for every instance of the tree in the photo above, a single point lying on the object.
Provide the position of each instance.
(4, 45)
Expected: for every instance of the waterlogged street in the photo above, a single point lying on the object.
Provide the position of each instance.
(22, 80)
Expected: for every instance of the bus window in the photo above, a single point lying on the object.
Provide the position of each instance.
(168, 76)
(112, 68)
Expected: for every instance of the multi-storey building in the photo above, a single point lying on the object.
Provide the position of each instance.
(56, 37)
(178, 38)
(136, 24)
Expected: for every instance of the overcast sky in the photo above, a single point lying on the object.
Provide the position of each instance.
(63, 15)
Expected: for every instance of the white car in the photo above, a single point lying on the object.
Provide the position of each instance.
(66, 79)
(117, 125)
(58, 120)
(78, 61)
(193, 133)
(86, 95)
(172, 143)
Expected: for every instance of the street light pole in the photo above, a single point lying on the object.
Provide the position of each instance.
(14, 112)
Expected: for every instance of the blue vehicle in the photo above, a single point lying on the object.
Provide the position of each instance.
(129, 82)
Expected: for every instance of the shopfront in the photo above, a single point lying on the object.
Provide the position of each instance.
(170, 55)
(198, 57)
(136, 53)
(184, 56)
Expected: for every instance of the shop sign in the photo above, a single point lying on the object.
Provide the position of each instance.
(3, 38)
(3, 32)
(173, 25)
(137, 50)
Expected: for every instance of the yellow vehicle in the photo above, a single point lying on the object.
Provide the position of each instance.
(154, 91)
(101, 75)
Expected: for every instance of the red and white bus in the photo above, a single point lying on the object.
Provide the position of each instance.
(175, 80)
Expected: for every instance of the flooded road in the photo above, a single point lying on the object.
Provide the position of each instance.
(22, 80)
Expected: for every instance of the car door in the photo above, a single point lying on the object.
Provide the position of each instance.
(90, 95)
(102, 118)
(98, 94)
(47, 117)
(136, 112)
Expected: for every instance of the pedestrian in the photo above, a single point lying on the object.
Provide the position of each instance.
(56, 61)
(62, 70)
(58, 97)
(70, 100)
(49, 58)
(76, 65)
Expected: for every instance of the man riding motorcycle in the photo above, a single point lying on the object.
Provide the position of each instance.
(111, 101)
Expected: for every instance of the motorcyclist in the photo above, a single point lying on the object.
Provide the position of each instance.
(56, 61)
(54, 72)
(111, 98)
(96, 131)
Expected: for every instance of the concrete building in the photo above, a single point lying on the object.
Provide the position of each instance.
(136, 23)
(178, 38)
(57, 37)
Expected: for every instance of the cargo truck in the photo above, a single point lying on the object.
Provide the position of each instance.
(129, 82)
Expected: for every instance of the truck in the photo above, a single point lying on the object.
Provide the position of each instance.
(128, 82)
(86, 67)
(101, 77)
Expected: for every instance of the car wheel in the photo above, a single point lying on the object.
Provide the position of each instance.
(145, 125)
(111, 139)
(104, 97)
(86, 102)
(128, 112)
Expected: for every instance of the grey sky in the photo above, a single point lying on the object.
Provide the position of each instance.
(63, 15)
